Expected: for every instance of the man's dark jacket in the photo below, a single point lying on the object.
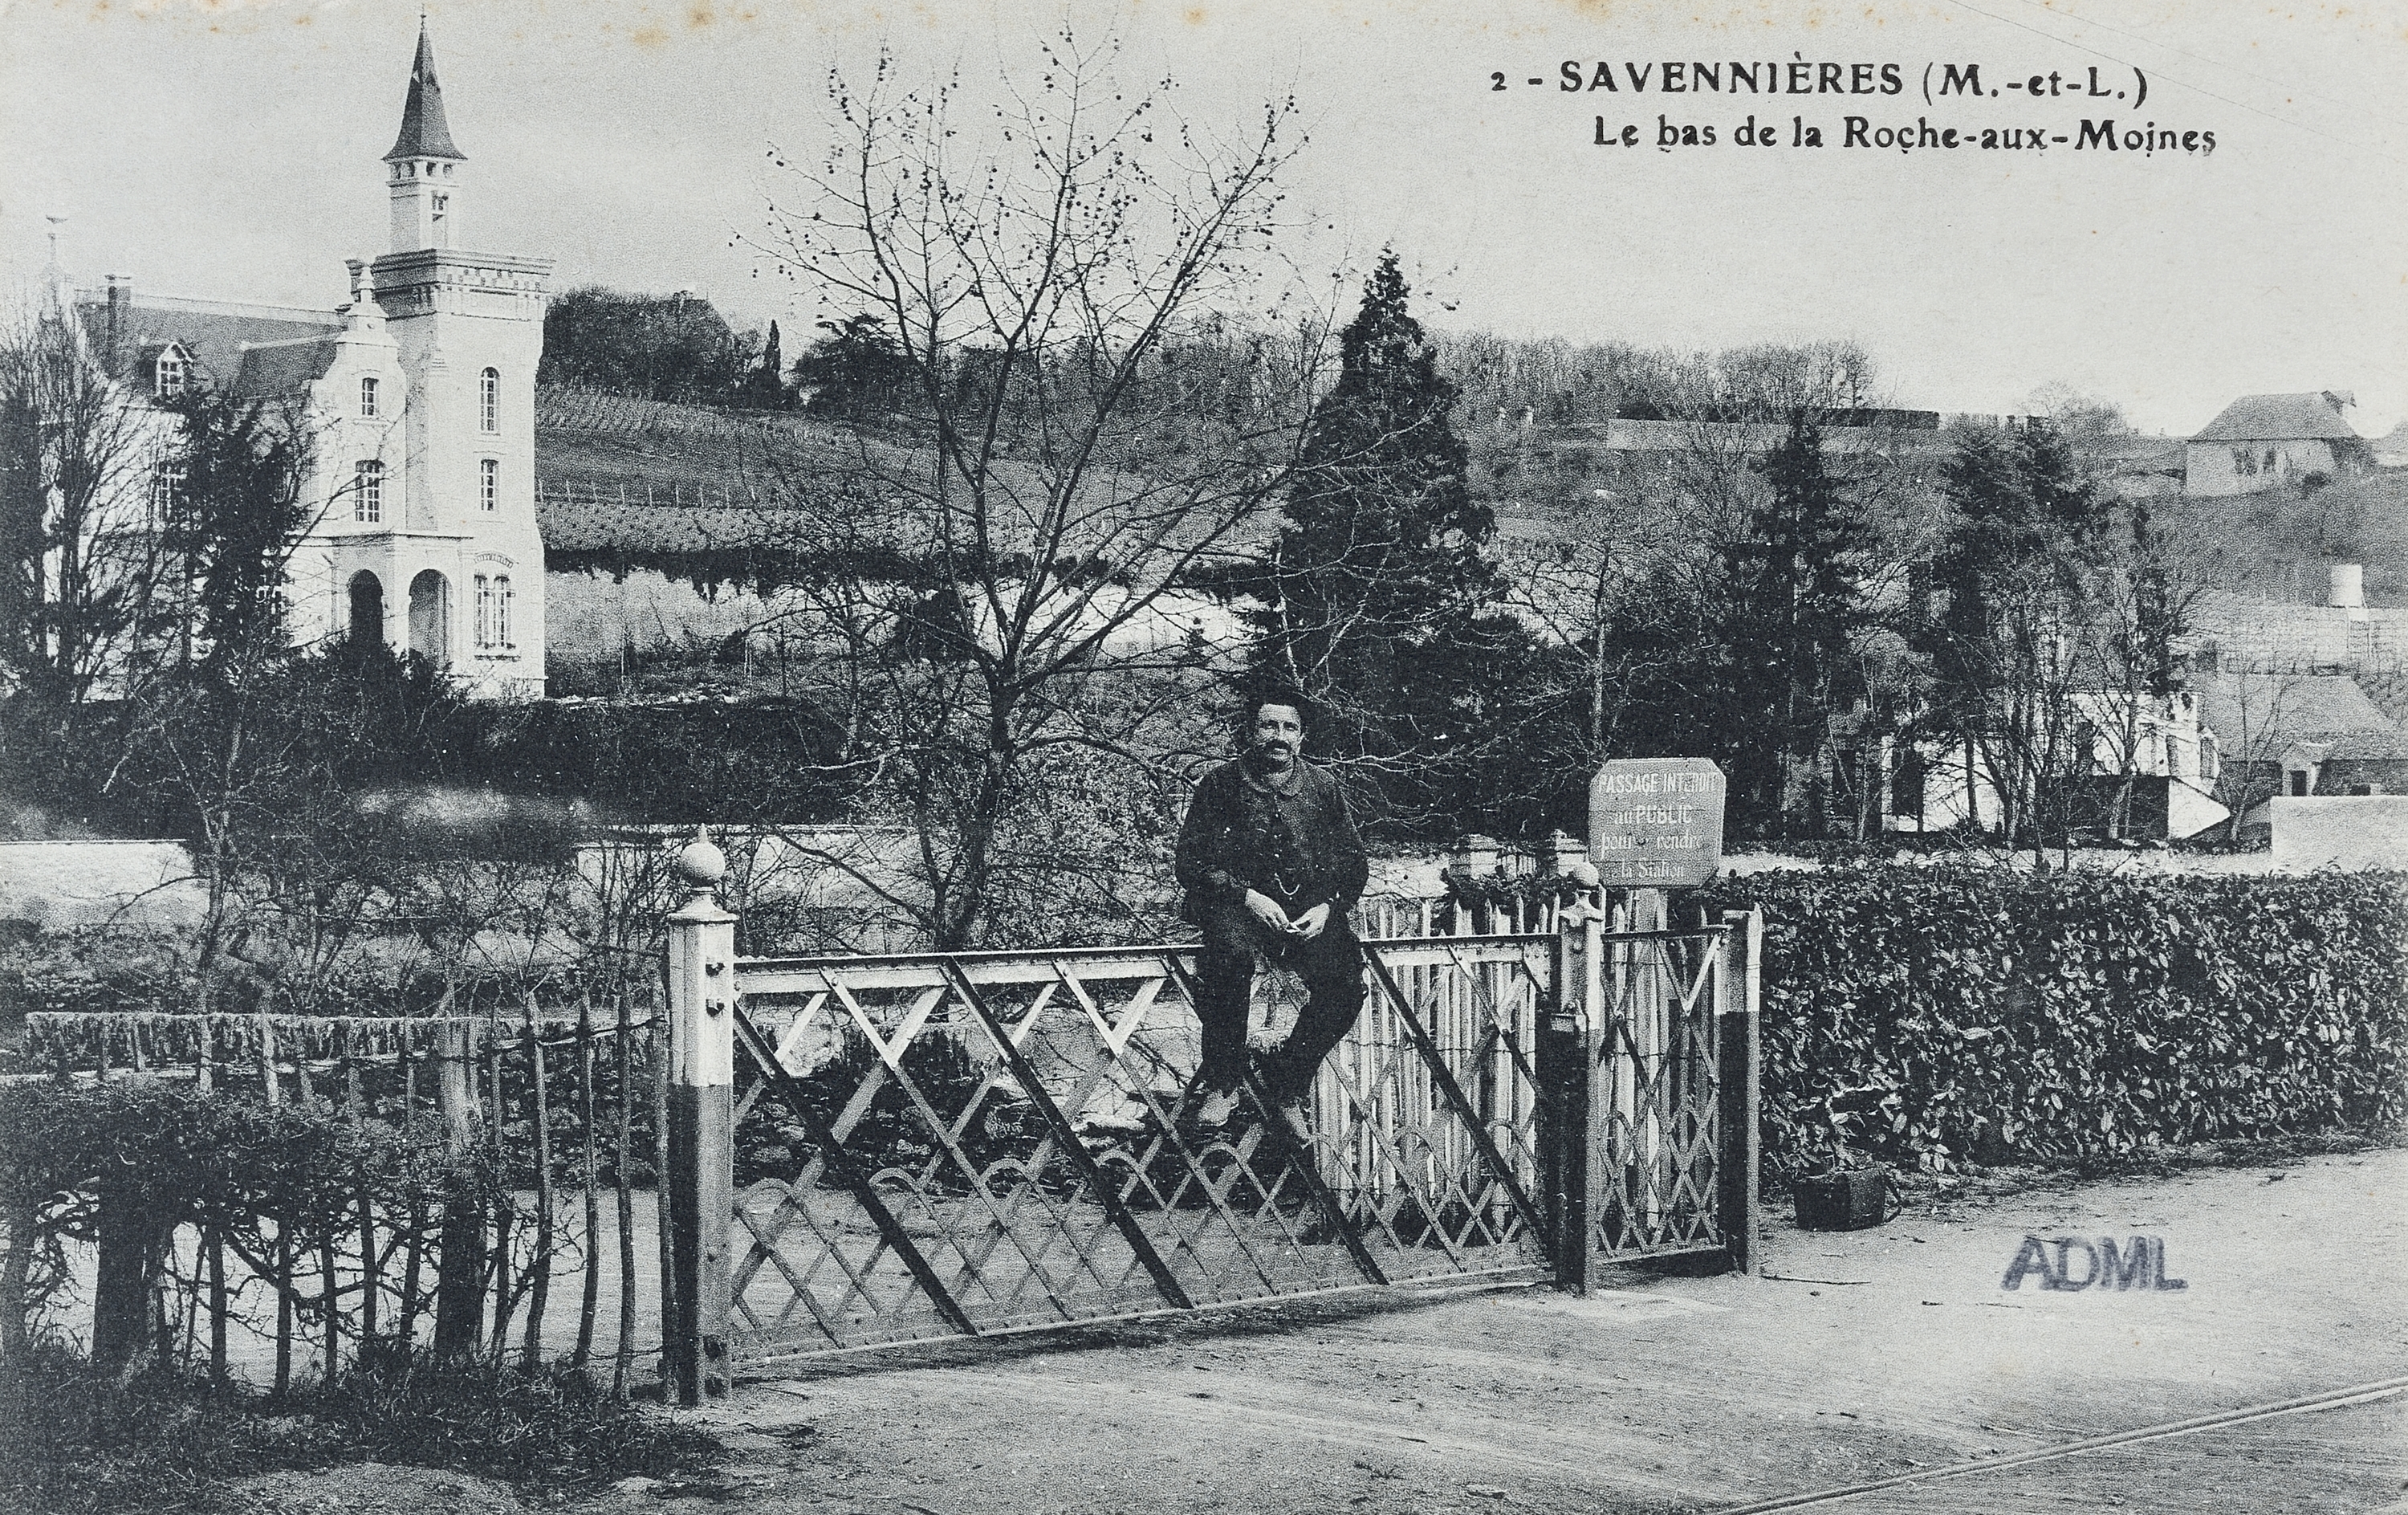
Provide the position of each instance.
(1230, 827)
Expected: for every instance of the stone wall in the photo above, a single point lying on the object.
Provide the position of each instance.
(2350, 832)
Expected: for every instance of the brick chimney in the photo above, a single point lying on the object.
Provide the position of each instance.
(117, 324)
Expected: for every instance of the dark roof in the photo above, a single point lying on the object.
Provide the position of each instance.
(2356, 745)
(282, 367)
(602, 525)
(214, 333)
(2280, 418)
(2255, 716)
(425, 133)
(2136, 452)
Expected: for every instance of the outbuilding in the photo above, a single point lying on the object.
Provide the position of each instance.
(2260, 442)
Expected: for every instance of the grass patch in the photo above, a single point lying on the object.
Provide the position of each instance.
(73, 1440)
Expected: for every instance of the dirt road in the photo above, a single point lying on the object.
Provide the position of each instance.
(1852, 1358)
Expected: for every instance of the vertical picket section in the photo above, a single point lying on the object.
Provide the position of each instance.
(546, 1202)
(623, 1363)
(591, 1299)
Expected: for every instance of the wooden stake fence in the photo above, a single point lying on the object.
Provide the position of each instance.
(314, 1293)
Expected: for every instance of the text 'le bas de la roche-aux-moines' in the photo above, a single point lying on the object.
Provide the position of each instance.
(2101, 119)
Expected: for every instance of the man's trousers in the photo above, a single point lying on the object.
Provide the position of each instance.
(1331, 965)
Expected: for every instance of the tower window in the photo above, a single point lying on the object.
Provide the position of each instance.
(488, 401)
(367, 400)
(502, 609)
(484, 600)
(488, 484)
(368, 490)
(168, 380)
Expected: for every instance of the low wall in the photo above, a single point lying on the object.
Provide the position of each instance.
(61, 886)
(2347, 831)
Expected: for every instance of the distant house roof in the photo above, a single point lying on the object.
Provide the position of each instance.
(425, 133)
(2280, 418)
(2256, 715)
(2347, 746)
(215, 332)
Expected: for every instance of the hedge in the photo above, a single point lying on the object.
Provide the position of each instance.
(275, 1183)
(2012, 1017)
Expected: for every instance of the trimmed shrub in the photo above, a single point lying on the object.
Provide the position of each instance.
(123, 1165)
(2014, 1018)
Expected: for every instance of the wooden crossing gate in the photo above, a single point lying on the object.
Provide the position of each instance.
(873, 1150)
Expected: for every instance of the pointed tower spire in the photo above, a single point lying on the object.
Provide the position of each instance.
(422, 170)
(425, 133)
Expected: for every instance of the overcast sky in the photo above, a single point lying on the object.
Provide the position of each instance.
(233, 152)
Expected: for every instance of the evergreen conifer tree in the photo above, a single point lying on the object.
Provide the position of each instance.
(1372, 599)
(768, 384)
(1796, 604)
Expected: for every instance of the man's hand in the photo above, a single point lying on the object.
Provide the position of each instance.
(1311, 923)
(1266, 909)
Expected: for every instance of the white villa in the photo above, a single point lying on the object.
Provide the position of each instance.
(419, 394)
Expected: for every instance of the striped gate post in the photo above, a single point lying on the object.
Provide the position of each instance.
(1569, 1089)
(1739, 1012)
(698, 1190)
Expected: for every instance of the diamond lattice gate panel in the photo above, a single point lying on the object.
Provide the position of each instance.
(1657, 1087)
(963, 1144)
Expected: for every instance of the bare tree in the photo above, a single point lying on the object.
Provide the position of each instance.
(88, 588)
(999, 588)
(2261, 706)
(2145, 592)
(1606, 549)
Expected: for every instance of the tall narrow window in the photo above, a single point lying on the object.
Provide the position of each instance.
(168, 380)
(484, 614)
(368, 399)
(488, 401)
(502, 608)
(488, 484)
(367, 491)
(166, 496)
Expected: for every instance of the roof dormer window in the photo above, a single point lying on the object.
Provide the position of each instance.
(168, 379)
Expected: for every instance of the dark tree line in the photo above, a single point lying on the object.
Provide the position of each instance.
(676, 347)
